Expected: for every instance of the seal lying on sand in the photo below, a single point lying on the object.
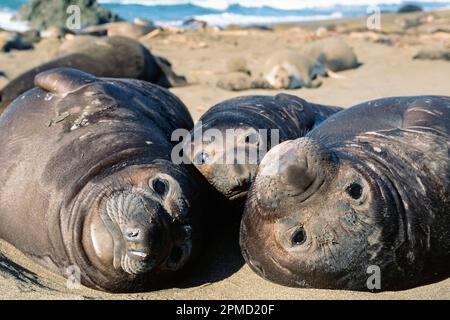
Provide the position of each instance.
(333, 53)
(116, 57)
(369, 188)
(252, 118)
(122, 28)
(87, 180)
(433, 54)
(286, 69)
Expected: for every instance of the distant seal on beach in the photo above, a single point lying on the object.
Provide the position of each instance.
(115, 57)
(333, 53)
(121, 28)
(287, 69)
(292, 116)
(433, 54)
(87, 180)
(369, 188)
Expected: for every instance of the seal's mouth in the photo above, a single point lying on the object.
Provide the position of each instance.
(138, 254)
(240, 185)
(134, 263)
(238, 196)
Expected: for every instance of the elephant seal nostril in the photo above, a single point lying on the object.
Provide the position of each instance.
(132, 233)
(299, 177)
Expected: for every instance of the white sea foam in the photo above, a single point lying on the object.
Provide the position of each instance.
(7, 23)
(277, 4)
(226, 18)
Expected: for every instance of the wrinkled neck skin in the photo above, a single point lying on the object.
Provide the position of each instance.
(411, 167)
(343, 237)
(128, 229)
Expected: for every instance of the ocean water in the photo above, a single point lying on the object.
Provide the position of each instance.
(225, 12)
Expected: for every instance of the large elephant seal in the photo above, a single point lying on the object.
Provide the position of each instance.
(115, 57)
(369, 188)
(230, 164)
(87, 180)
(333, 53)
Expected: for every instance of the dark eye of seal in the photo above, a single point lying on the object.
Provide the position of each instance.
(201, 158)
(299, 237)
(355, 191)
(160, 186)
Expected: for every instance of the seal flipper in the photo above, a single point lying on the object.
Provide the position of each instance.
(25, 81)
(63, 80)
(168, 77)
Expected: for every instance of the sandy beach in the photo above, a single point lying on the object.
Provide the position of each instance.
(387, 69)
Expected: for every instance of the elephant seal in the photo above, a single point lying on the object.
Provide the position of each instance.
(230, 164)
(87, 180)
(333, 53)
(115, 57)
(433, 54)
(121, 28)
(369, 188)
(287, 69)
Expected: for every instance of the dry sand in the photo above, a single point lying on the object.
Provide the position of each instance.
(387, 70)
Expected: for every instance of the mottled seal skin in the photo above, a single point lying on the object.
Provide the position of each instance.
(370, 186)
(114, 57)
(87, 180)
(287, 69)
(292, 116)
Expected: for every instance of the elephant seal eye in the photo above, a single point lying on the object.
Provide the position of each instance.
(299, 237)
(354, 190)
(160, 186)
(251, 138)
(201, 158)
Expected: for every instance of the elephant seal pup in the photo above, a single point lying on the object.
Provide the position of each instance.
(115, 57)
(286, 69)
(333, 53)
(87, 180)
(369, 188)
(230, 164)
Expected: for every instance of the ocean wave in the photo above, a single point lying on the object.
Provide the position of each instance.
(7, 23)
(224, 19)
(222, 5)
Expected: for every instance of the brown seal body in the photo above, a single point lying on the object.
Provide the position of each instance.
(112, 57)
(87, 180)
(258, 122)
(333, 53)
(367, 190)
